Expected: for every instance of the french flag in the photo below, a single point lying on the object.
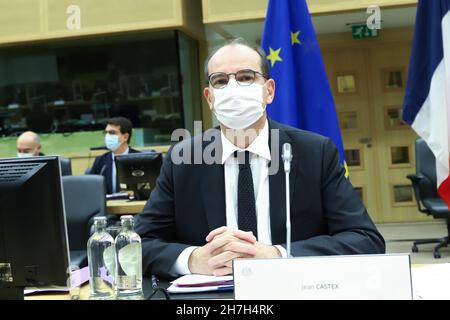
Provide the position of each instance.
(427, 99)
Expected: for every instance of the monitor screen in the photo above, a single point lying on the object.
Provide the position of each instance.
(138, 172)
(33, 234)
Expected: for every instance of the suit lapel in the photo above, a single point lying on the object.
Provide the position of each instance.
(277, 193)
(213, 186)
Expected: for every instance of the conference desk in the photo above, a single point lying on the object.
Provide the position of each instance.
(432, 285)
(147, 288)
(120, 207)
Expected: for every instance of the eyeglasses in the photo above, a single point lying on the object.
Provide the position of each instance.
(111, 132)
(246, 77)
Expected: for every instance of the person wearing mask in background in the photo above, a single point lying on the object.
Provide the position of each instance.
(28, 145)
(117, 139)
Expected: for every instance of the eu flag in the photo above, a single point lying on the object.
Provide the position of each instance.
(302, 94)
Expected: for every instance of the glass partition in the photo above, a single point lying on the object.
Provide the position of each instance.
(72, 86)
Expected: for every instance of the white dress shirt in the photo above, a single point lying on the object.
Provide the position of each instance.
(114, 171)
(259, 159)
(259, 163)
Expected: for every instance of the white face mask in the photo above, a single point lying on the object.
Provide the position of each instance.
(238, 107)
(112, 141)
(25, 154)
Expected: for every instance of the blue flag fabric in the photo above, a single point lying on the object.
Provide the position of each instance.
(303, 97)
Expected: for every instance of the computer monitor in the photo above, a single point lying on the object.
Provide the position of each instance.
(34, 248)
(138, 171)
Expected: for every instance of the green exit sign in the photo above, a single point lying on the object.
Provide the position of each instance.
(363, 32)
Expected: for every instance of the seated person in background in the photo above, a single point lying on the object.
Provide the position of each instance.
(28, 145)
(201, 216)
(117, 138)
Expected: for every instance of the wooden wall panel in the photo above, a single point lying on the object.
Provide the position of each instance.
(105, 13)
(37, 20)
(215, 11)
(19, 17)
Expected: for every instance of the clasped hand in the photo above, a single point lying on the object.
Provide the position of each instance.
(223, 245)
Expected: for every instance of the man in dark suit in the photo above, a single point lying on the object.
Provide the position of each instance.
(117, 138)
(202, 216)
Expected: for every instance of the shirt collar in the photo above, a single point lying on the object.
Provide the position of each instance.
(259, 146)
(125, 152)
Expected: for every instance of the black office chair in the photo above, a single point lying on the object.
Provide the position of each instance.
(84, 199)
(428, 200)
(66, 166)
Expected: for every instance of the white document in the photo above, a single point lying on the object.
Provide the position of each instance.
(431, 282)
(200, 283)
(353, 277)
(174, 289)
(30, 290)
(200, 279)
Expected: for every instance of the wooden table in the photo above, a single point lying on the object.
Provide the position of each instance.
(120, 207)
(83, 294)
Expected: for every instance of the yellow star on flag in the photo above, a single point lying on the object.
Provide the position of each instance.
(346, 169)
(274, 56)
(294, 38)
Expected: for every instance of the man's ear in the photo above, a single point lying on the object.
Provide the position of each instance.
(126, 136)
(209, 96)
(270, 91)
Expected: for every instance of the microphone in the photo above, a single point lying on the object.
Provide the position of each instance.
(98, 148)
(102, 170)
(286, 155)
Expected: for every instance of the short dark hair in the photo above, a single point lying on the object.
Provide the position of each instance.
(243, 42)
(125, 125)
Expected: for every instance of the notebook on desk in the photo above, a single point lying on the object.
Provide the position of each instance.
(201, 283)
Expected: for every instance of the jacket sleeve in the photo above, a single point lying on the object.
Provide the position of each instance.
(350, 228)
(95, 169)
(156, 225)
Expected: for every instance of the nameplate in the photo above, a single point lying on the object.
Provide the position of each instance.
(353, 277)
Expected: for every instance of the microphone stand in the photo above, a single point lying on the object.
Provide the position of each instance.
(287, 158)
(288, 216)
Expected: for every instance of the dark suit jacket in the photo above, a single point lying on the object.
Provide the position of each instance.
(327, 215)
(103, 166)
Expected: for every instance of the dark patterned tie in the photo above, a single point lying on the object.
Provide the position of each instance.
(246, 195)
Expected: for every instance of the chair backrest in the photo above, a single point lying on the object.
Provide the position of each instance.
(426, 166)
(66, 166)
(84, 198)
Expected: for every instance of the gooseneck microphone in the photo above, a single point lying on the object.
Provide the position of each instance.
(286, 156)
(98, 148)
